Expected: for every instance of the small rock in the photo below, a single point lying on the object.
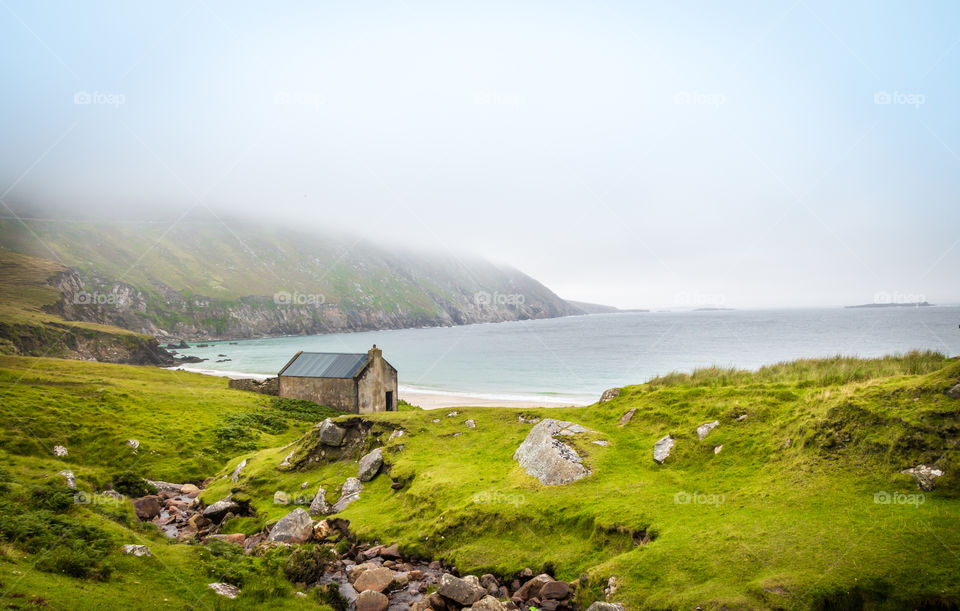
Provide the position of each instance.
(741, 417)
(235, 476)
(488, 603)
(370, 465)
(528, 419)
(295, 527)
(133, 443)
(147, 507)
(286, 461)
(704, 429)
(319, 506)
(600, 442)
(394, 435)
(371, 601)
(717, 449)
(531, 589)
(349, 492)
(189, 490)
(304, 485)
(460, 590)
(235, 538)
(925, 475)
(954, 392)
(378, 580)
(322, 530)
(71, 479)
(137, 550)
(225, 589)
(627, 416)
(435, 420)
(452, 414)
(280, 498)
(470, 424)
(59, 451)
(602, 606)
(330, 433)
(391, 552)
(610, 394)
(661, 449)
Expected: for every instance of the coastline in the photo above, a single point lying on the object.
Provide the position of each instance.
(423, 398)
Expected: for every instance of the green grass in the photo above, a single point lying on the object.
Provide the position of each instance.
(784, 516)
(797, 526)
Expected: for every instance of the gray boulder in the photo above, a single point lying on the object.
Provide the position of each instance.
(295, 527)
(488, 603)
(59, 451)
(547, 458)
(348, 493)
(69, 476)
(609, 395)
(704, 429)
(925, 475)
(470, 423)
(661, 449)
(221, 508)
(954, 393)
(319, 505)
(235, 476)
(602, 606)
(330, 433)
(460, 590)
(370, 465)
(137, 550)
(280, 498)
(225, 589)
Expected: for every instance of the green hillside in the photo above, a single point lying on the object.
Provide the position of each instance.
(790, 514)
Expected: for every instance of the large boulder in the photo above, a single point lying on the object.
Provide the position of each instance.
(460, 590)
(348, 493)
(147, 507)
(330, 433)
(319, 505)
(925, 475)
(370, 465)
(547, 458)
(295, 527)
(704, 429)
(225, 589)
(218, 510)
(609, 395)
(661, 449)
(378, 579)
(371, 601)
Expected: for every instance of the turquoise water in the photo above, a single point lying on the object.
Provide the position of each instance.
(576, 358)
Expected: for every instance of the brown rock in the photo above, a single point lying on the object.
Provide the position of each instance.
(378, 580)
(392, 552)
(954, 393)
(236, 538)
(627, 416)
(147, 507)
(372, 601)
(355, 571)
(190, 490)
(555, 590)
(531, 589)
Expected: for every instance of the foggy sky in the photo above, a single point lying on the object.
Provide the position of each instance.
(745, 154)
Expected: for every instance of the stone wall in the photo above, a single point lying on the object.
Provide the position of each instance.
(270, 386)
(338, 393)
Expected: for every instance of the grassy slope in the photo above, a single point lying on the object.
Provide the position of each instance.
(92, 409)
(797, 528)
(23, 294)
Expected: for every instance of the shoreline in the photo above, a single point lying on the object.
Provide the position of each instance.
(423, 398)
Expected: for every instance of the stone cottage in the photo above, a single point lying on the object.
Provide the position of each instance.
(353, 383)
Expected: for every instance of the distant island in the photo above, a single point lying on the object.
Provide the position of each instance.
(596, 308)
(915, 304)
(711, 309)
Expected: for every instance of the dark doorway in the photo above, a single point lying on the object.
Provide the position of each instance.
(389, 400)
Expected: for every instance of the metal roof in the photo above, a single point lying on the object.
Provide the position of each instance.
(324, 365)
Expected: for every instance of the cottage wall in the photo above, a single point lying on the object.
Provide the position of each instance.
(338, 393)
(372, 386)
